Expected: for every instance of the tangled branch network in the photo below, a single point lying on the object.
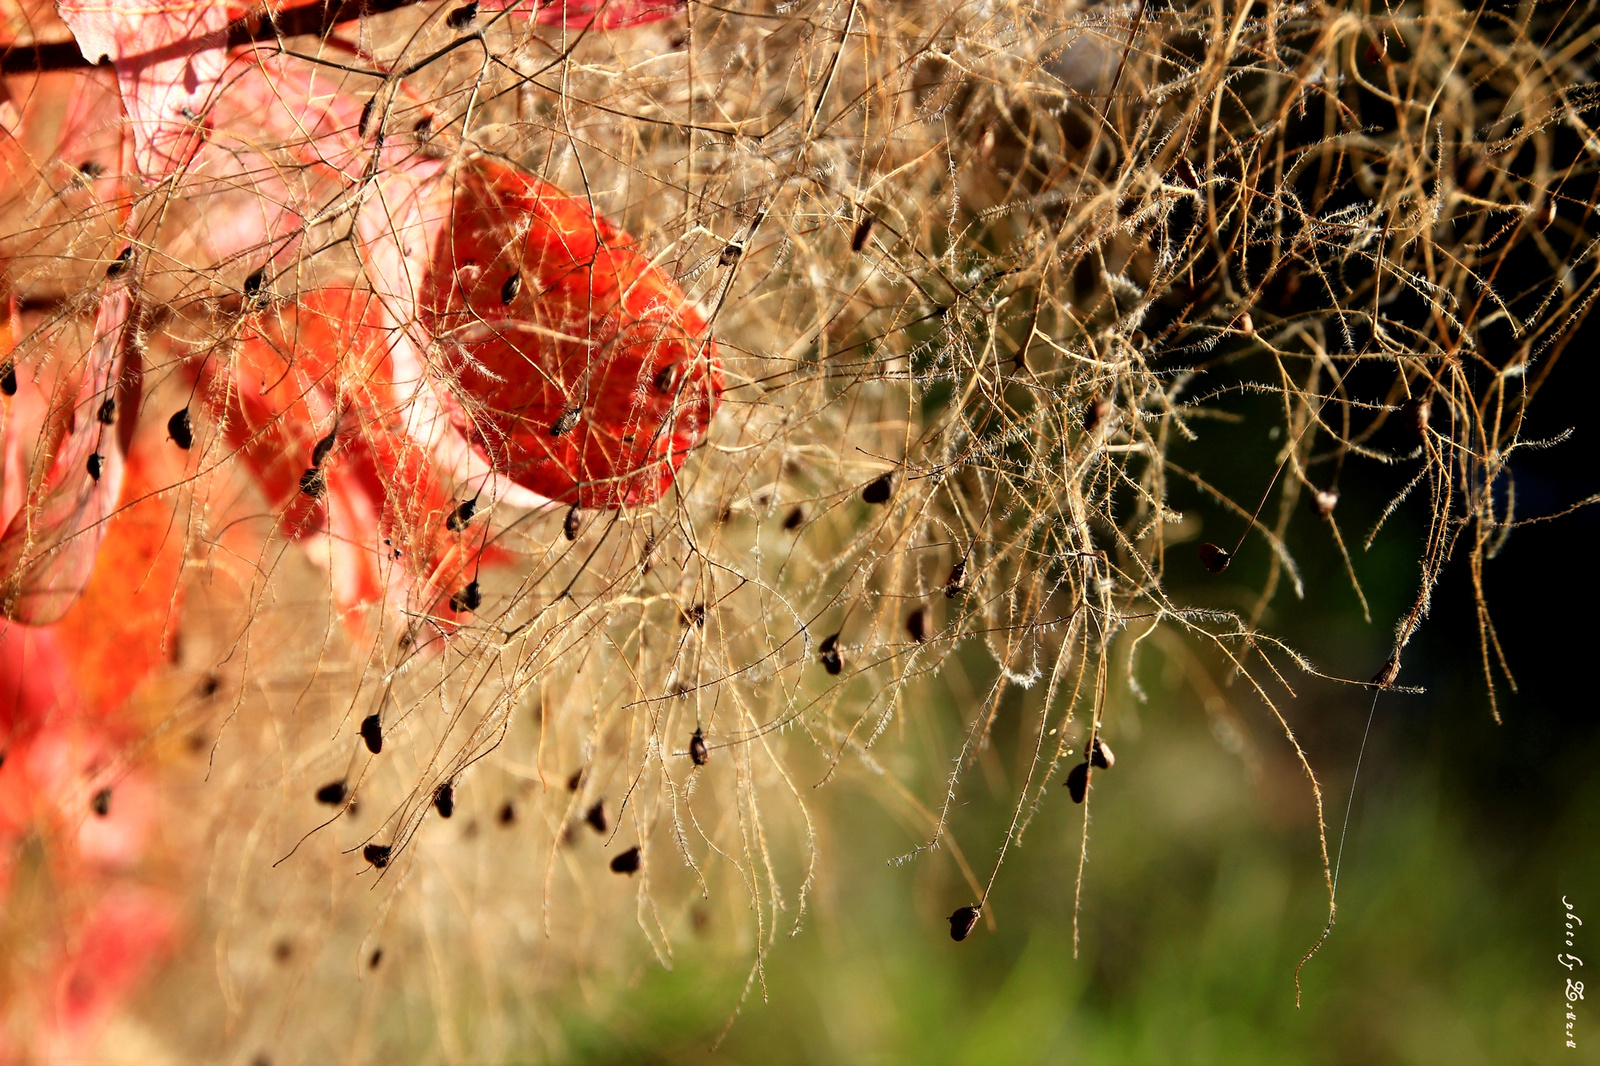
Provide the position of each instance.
(427, 422)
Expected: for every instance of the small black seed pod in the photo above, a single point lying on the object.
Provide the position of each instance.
(566, 423)
(1213, 558)
(573, 523)
(1386, 676)
(107, 414)
(1099, 755)
(255, 285)
(314, 482)
(627, 862)
(372, 733)
(795, 519)
(377, 854)
(666, 379)
(956, 583)
(444, 799)
(468, 599)
(319, 454)
(1414, 415)
(917, 624)
(507, 814)
(509, 290)
(730, 255)
(95, 463)
(180, 429)
(462, 17)
(1078, 782)
(962, 921)
(1094, 413)
(8, 378)
(828, 655)
(120, 263)
(91, 170)
(461, 515)
(375, 958)
(596, 817)
(101, 802)
(879, 489)
(333, 793)
(863, 233)
(697, 748)
(695, 616)
(371, 105)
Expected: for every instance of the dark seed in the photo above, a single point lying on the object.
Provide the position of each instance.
(695, 616)
(627, 862)
(108, 411)
(1094, 413)
(377, 854)
(180, 429)
(794, 519)
(917, 624)
(956, 583)
(697, 748)
(444, 800)
(462, 17)
(95, 462)
(91, 170)
(596, 817)
(509, 290)
(1323, 501)
(467, 599)
(375, 958)
(319, 454)
(1099, 755)
(372, 733)
(101, 802)
(566, 423)
(1378, 49)
(424, 126)
(461, 515)
(573, 524)
(371, 105)
(1213, 558)
(255, 284)
(120, 263)
(962, 921)
(333, 793)
(508, 813)
(863, 233)
(730, 255)
(8, 378)
(314, 482)
(879, 489)
(575, 780)
(1078, 782)
(666, 378)
(828, 655)
(1391, 670)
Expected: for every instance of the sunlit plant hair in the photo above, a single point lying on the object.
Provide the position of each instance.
(593, 431)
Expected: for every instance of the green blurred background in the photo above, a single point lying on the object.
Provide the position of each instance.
(1204, 886)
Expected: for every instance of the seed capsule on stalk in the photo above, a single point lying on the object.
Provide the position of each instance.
(444, 800)
(627, 862)
(1213, 558)
(596, 817)
(917, 624)
(697, 748)
(879, 489)
(1098, 752)
(1078, 782)
(828, 654)
(372, 733)
(333, 793)
(377, 854)
(180, 429)
(962, 922)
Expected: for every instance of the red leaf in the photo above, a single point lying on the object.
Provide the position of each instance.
(593, 328)
(168, 56)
